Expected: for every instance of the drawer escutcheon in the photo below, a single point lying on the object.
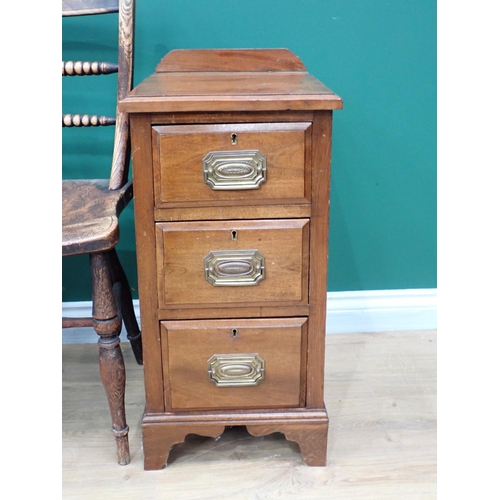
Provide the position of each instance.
(234, 267)
(236, 370)
(234, 170)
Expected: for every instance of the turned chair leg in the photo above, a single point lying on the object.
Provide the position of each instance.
(107, 324)
(124, 301)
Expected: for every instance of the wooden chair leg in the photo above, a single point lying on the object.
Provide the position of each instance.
(107, 324)
(126, 305)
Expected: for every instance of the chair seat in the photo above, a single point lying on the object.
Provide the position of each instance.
(90, 215)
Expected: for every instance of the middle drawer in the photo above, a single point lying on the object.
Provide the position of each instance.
(232, 263)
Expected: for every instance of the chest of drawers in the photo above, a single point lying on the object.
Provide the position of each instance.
(231, 158)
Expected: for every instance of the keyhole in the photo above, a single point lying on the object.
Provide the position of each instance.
(234, 235)
(234, 333)
(234, 139)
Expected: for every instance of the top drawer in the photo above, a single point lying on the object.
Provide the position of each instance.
(217, 165)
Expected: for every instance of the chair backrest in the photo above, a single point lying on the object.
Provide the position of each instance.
(124, 68)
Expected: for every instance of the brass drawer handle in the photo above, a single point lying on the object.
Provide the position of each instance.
(234, 170)
(234, 267)
(236, 370)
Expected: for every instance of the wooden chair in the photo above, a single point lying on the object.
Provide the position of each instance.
(90, 210)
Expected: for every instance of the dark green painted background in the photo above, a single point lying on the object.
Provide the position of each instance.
(379, 56)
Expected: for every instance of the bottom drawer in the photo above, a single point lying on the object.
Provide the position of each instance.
(243, 363)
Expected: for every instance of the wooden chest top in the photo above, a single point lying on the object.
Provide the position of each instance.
(227, 80)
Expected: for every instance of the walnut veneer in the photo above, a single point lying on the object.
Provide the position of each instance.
(231, 158)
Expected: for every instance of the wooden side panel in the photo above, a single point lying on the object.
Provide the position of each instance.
(191, 344)
(182, 148)
(146, 260)
(183, 246)
(322, 133)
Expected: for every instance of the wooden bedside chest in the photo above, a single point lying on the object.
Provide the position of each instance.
(231, 161)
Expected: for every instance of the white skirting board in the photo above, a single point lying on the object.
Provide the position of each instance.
(347, 312)
(381, 311)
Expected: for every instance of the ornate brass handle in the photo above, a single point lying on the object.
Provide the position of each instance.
(234, 267)
(234, 170)
(236, 370)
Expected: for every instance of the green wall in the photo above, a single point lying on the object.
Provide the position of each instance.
(378, 55)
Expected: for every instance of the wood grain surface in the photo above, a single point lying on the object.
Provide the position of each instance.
(187, 346)
(146, 258)
(178, 151)
(90, 215)
(234, 212)
(230, 60)
(229, 91)
(321, 157)
(380, 393)
(182, 246)
(232, 117)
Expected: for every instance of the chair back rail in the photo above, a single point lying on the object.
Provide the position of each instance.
(88, 7)
(125, 8)
(69, 120)
(82, 68)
